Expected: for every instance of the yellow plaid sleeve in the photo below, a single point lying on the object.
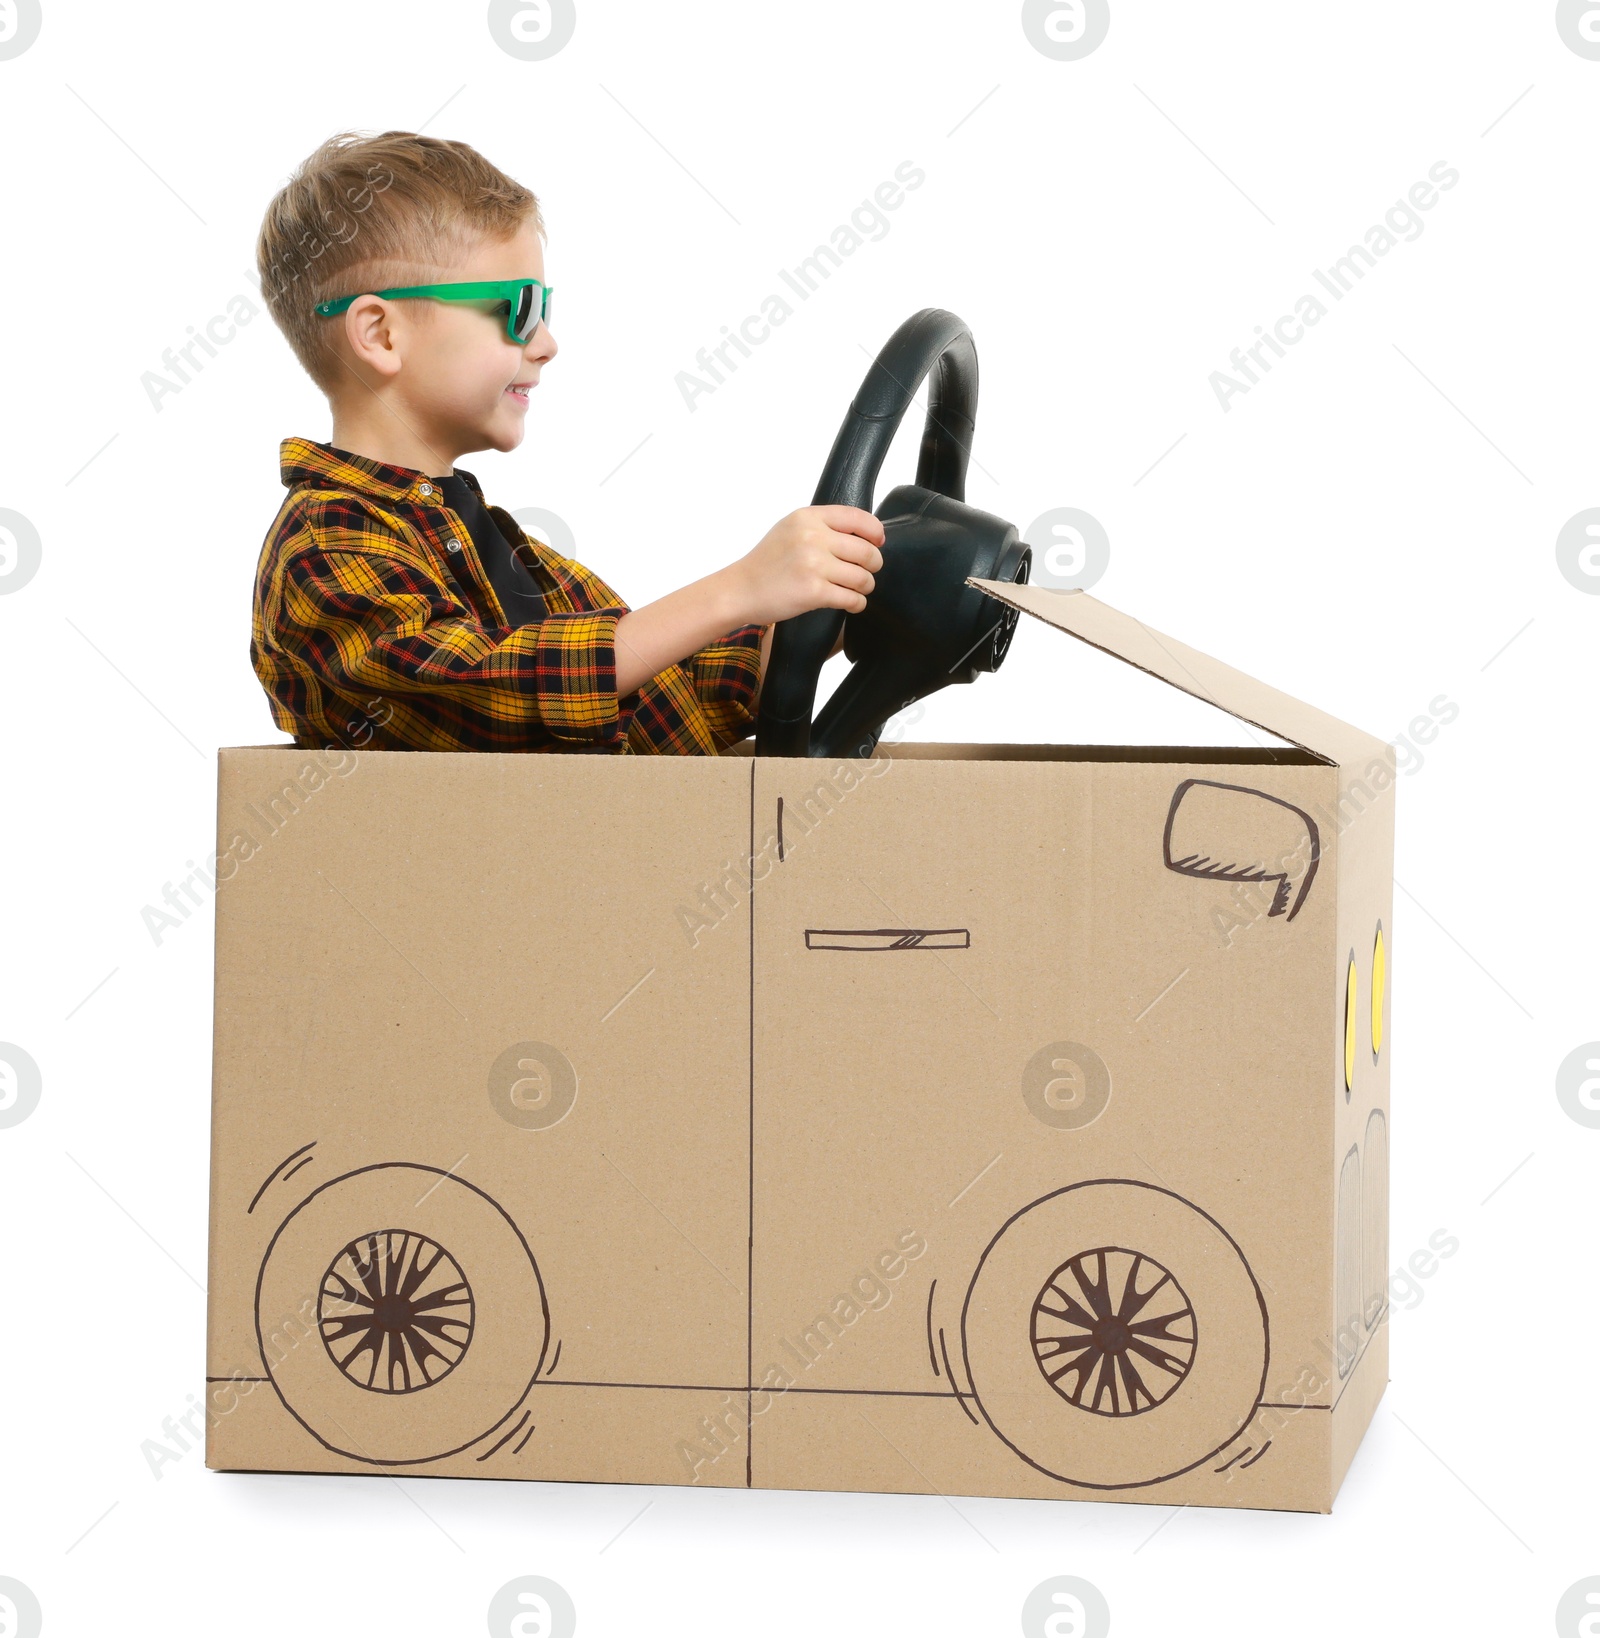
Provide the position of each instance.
(696, 708)
(350, 621)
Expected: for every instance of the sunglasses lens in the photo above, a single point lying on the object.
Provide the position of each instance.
(527, 317)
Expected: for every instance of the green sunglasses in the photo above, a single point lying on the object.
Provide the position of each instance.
(527, 301)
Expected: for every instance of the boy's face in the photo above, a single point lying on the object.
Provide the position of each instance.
(453, 374)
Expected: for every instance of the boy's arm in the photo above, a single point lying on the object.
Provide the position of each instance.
(697, 705)
(691, 663)
(818, 557)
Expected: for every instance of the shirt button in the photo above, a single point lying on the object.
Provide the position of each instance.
(427, 489)
(452, 545)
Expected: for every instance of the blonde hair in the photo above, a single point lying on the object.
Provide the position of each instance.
(372, 212)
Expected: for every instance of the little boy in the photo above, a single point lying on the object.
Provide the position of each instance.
(394, 608)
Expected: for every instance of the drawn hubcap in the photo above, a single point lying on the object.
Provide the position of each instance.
(395, 1312)
(1113, 1332)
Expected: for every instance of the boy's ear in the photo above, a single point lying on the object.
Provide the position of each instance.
(374, 332)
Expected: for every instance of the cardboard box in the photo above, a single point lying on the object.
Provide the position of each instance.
(984, 1119)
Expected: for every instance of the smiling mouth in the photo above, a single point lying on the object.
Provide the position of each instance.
(520, 390)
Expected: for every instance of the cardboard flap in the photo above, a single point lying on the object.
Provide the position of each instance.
(1105, 628)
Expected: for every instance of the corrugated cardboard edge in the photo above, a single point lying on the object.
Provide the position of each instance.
(1125, 638)
(227, 761)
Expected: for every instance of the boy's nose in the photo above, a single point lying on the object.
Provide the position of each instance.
(541, 344)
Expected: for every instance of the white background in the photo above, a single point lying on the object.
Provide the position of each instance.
(1370, 527)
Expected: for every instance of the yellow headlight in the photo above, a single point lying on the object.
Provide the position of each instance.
(1350, 983)
(1380, 975)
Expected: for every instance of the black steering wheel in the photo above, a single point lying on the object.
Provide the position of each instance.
(923, 626)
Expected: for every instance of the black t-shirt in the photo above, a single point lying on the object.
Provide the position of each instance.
(516, 588)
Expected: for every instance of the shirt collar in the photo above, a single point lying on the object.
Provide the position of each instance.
(304, 461)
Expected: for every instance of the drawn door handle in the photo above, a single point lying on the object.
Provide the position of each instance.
(888, 938)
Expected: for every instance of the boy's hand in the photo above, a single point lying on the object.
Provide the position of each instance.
(821, 557)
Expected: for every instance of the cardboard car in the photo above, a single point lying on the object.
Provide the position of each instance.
(983, 1119)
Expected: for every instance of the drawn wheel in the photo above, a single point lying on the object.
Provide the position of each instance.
(395, 1312)
(1113, 1332)
(400, 1314)
(1114, 1335)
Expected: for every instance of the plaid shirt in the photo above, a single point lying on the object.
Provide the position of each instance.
(360, 634)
